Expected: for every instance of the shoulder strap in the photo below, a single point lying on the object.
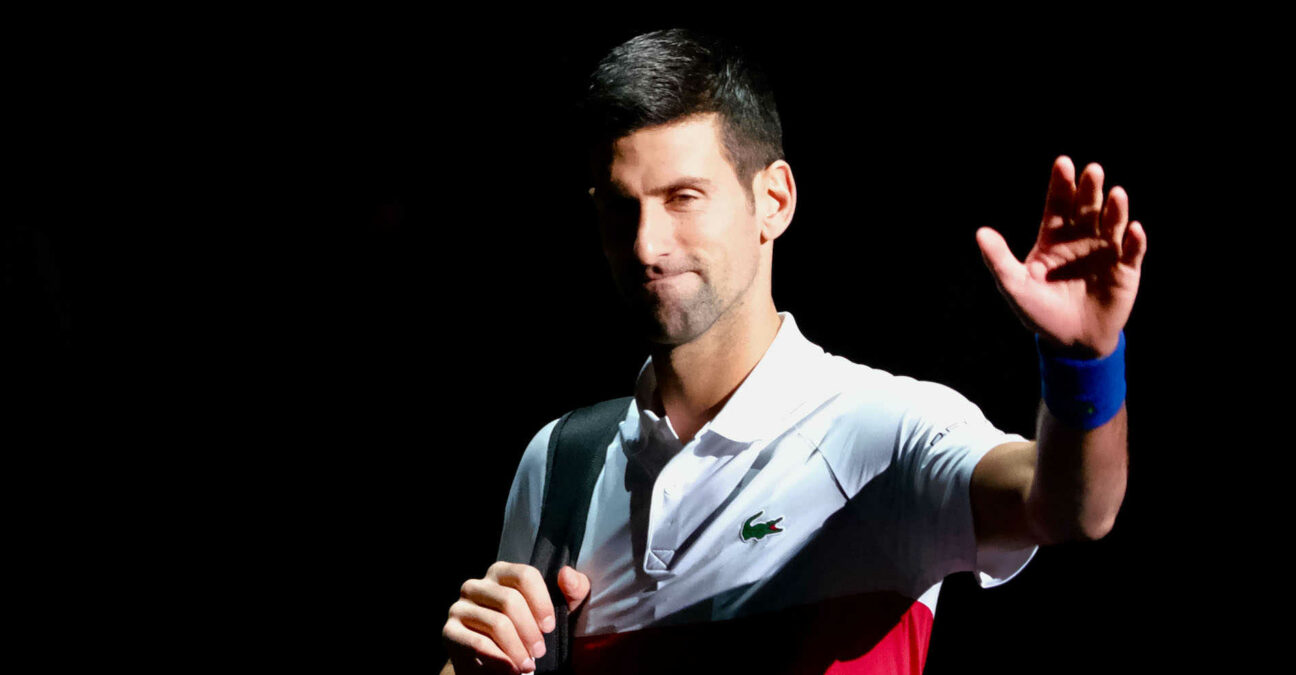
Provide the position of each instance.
(577, 448)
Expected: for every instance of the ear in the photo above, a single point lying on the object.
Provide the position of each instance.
(774, 191)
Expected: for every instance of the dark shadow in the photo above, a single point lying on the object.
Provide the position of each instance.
(796, 621)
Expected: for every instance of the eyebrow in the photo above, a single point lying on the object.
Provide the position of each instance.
(687, 182)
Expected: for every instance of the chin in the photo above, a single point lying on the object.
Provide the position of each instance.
(676, 329)
(674, 322)
(655, 331)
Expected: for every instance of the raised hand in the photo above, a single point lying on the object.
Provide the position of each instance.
(1077, 285)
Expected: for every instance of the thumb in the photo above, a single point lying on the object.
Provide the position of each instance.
(998, 257)
(574, 585)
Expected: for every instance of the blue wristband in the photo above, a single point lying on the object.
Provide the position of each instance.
(1083, 393)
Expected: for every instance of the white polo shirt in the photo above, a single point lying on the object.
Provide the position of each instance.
(820, 480)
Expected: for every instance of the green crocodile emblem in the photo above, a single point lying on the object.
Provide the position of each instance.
(759, 530)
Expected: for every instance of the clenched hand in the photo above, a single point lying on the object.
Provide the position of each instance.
(496, 625)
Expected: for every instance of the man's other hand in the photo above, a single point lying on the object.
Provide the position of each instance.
(498, 623)
(1077, 285)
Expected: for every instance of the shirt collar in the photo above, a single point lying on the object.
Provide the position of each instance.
(757, 409)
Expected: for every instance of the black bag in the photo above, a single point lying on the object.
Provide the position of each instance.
(577, 448)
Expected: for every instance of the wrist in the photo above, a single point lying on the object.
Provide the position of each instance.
(1077, 351)
(1081, 392)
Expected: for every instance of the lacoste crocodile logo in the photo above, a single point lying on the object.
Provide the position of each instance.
(759, 530)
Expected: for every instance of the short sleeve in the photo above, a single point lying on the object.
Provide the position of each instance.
(943, 437)
(525, 500)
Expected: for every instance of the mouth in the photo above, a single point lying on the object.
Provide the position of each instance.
(662, 281)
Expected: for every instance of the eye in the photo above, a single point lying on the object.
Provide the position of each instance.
(683, 198)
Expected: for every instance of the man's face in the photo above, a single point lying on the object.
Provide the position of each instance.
(677, 228)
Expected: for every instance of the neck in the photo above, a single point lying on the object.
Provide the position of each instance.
(695, 379)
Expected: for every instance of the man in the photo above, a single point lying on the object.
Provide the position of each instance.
(764, 505)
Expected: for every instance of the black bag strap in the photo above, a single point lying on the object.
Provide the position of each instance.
(577, 448)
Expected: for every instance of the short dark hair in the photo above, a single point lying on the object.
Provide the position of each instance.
(668, 75)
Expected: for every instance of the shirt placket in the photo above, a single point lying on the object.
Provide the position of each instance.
(664, 512)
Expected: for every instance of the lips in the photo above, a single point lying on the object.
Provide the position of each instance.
(655, 273)
(656, 281)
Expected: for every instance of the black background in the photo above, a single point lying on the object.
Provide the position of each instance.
(301, 290)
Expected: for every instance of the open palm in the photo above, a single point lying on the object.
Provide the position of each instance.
(1077, 285)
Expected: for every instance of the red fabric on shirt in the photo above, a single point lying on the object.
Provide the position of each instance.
(865, 633)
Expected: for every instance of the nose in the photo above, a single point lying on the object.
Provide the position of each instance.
(654, 237)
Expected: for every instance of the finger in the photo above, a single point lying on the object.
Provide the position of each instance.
(498, 627)
(1115, 217)
(1135, 245)
(999, 258)
(471, 642)
(508, 602)
(574, 585)
(1061, 192)
(1088, 200)
(531, 584)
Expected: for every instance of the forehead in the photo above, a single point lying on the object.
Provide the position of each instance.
(660, 154)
